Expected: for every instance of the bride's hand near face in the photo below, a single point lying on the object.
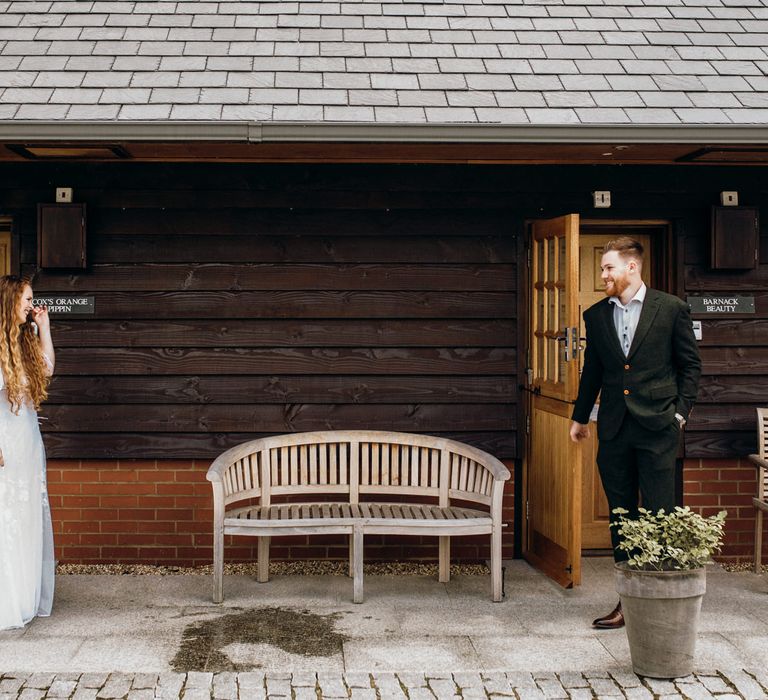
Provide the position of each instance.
(40, 318)
(2, 461)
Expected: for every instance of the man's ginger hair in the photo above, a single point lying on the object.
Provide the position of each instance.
(21, 356)
(626, 247)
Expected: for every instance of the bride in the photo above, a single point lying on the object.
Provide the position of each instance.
(26, 538)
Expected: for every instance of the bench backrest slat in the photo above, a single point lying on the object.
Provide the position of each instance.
(358, 462)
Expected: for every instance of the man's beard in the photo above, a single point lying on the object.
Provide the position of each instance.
(618, 287)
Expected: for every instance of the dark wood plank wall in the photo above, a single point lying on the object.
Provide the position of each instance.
(241, 300)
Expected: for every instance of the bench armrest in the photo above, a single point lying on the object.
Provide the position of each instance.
(758, 461)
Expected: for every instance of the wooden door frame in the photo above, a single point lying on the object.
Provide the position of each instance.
(666, 272)
(10, 223)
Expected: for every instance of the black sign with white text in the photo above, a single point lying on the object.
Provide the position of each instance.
(61, 305)
(722, 304)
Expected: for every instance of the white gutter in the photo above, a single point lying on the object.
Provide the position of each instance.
(332, 132)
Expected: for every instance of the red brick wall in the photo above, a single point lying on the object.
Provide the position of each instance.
(160, 512)
(712, 485)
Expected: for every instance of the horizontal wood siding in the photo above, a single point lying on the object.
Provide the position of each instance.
(236, 302)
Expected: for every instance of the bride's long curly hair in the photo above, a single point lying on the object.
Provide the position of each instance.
(21, 356)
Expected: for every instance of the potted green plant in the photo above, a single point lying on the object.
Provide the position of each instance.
(662, 584)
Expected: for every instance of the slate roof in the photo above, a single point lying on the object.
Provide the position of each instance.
(386, 61)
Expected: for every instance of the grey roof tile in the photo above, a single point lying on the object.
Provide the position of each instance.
(247, 112)
(58, 78)
(348, 81)
(421, 98)
(652, 115)
(156, 79)
(15, 78)
(371, 97)
(196, 111)
(562, 61)
(29, 110)
(747, 116)
(107, 79)
(258, 79)
(89, 112)
(125, 96)
(602, 115)
(617, 98)
(298, 79)
(133, 112)
(348, 114)
(552, 116)
(666, 99)
(400, 114)
(584, 82)
(299, 113)
(8, 111)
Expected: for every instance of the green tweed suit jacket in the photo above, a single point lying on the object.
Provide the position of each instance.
(658, 378)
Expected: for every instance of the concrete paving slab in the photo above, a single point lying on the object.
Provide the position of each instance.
(423, 655)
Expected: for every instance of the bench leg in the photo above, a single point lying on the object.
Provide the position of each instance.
(758, 541)
(218, 565)
(263, 569)
(357, 565)
(444, 571)
(351, 556)
(496, 572)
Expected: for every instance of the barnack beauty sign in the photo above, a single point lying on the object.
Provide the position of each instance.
(64, 306)
(722, 304)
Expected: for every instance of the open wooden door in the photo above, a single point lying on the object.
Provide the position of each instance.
(552, 540)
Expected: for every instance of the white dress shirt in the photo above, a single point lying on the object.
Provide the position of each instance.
(626, 318)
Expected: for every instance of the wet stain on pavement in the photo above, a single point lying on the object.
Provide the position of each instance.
(296, 632)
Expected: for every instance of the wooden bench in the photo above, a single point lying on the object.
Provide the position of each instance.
(760, 460)
(366, 475)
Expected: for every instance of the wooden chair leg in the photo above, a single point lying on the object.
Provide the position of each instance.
(444, 571)
(218, 565)
(357, 564)
(351, 556)
(263, 570)
(759, 541)
(496, 564)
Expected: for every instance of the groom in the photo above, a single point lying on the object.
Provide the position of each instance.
(642, 358)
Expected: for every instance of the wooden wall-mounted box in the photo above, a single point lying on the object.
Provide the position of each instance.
(61, 235)
(735, 238)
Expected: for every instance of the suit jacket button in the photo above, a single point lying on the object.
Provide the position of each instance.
(626, 392)
(626, 366)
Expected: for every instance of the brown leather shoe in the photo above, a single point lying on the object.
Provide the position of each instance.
(612, 621)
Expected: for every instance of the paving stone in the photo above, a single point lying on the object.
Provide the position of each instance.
(605, 686)
(89, 693)
(639, 692)
(32, 694)
(521, 679)
(299, 693)
(496, 684)
(660, 687)
(61, 688)
(580, 694)
(626, 679)
(552, 688)
(746, 686)
(473, 692)
(363, 693)
(420, 694)
(279, 687)
(144, 680)
(468, 679)
(443, 687)
(573, 680)
(117, 686)
(301, 679)
(225, 686)
(694, 691)
(413, 680)
(530, 694)
(198, 679)
(332, 686)
(197, 694)
(10, 686)
(251, 680)
(714, 684)
(357, 680)
(388, 685)
(40, 680)
(141, 694)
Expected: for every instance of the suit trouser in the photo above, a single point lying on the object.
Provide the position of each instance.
(638, 460)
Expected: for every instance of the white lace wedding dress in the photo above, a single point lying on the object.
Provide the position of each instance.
(26, 538)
